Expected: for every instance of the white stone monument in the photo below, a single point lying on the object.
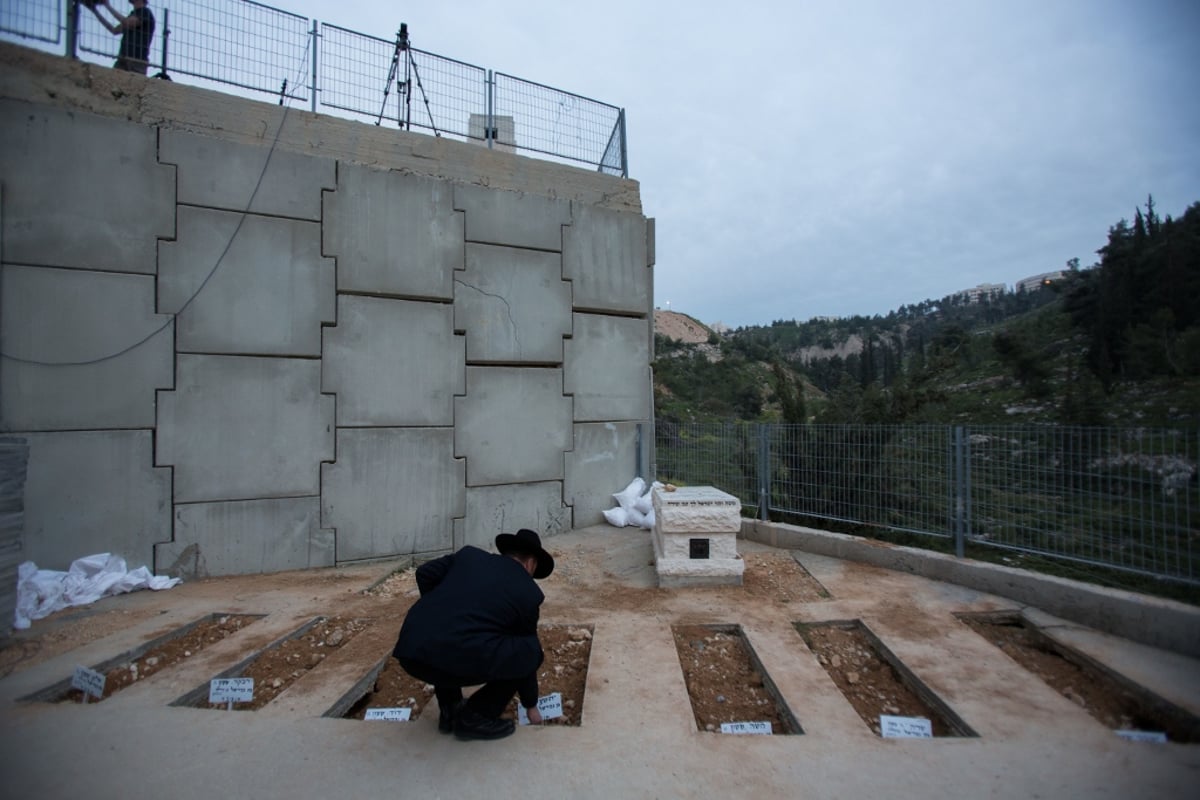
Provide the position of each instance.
(695, 537)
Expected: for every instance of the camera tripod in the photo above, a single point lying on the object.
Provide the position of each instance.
(402, 51)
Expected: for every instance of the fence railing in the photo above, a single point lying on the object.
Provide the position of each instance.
(255, 49)
(1115, 497)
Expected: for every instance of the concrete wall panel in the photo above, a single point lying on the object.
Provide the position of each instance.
(393, 362)
(239, 428)
(420, 305)
(268, 292)
(90, 492)
(505, 509)
(605, 258)
(512, 218)
(607, 368)
(82, 191)
(392, 491)
(513, 425)
(247, 536)
(222, 174)
(60, 315)
(602, 463)
(513, 305)
(393, 234)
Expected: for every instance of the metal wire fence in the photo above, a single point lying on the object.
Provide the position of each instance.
(251, 48)
(39, 20)
(1120, 498)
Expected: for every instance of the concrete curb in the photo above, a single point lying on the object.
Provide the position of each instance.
(1154, 621)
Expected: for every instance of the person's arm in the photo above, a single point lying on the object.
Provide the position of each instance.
(527, 691)
(431, 573)
(111, 27)
(124, 21)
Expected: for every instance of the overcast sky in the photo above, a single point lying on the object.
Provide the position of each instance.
(834, 158)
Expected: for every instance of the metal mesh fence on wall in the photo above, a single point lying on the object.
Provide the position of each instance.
(40, 20)
(1122, 498)
(432, 93)
(247, 47)
(558, 123)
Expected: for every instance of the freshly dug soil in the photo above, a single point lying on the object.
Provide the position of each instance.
(868, 681)
(1112, 704)
(779, 578)
(721, 679)
(568, 649)
(276, 669)
(166, 655)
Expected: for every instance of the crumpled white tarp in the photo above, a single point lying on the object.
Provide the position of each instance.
(41, 592)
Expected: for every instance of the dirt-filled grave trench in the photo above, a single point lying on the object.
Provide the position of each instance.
(865, 674)
(568, 651)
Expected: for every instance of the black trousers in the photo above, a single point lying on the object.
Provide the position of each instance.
(489, 700)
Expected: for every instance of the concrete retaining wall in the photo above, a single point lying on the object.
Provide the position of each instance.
(1137, 617)
(243, 338)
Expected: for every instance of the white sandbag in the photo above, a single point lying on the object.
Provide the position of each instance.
(617, 517)
(645, 503)
(649, 520)
(636, 518)
(629, 495)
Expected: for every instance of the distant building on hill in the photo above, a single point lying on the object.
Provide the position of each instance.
(1037, 281)
(983, 290)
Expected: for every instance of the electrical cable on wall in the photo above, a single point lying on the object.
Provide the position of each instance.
(220, 259)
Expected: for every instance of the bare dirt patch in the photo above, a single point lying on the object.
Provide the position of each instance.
(167, 654)
(723, 682)
(778, 577)
(62, 631)
(867, 680)
(568, 650)
(1116, 706)
(680, 327)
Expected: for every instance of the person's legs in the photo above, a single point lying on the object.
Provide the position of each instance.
(447, 689)
(492, 698)
(449, 698)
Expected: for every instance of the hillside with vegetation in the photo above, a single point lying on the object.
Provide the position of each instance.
(1116, 343)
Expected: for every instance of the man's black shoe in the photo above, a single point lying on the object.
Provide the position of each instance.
(470, 725)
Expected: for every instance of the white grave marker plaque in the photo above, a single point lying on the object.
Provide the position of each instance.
(550, 706)
(89, 682)
(231, 690)
(905, 727)
(389, 714)
(754, 728)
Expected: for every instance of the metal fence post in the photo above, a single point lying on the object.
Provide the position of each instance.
(764, 472)
(73, 29)
(166, 38)
(959, 500)
(639, 471)
(315, 46)
(491, 108)
(625, 153)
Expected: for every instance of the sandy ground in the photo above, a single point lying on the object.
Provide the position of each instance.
(638, 734)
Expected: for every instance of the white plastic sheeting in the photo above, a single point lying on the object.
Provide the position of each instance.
(41, 592)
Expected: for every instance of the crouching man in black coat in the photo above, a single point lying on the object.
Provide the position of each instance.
(476, 623)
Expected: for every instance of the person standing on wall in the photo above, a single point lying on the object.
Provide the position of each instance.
(136, 29)
(476, 623)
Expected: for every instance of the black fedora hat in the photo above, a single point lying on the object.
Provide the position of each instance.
(527, 543)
